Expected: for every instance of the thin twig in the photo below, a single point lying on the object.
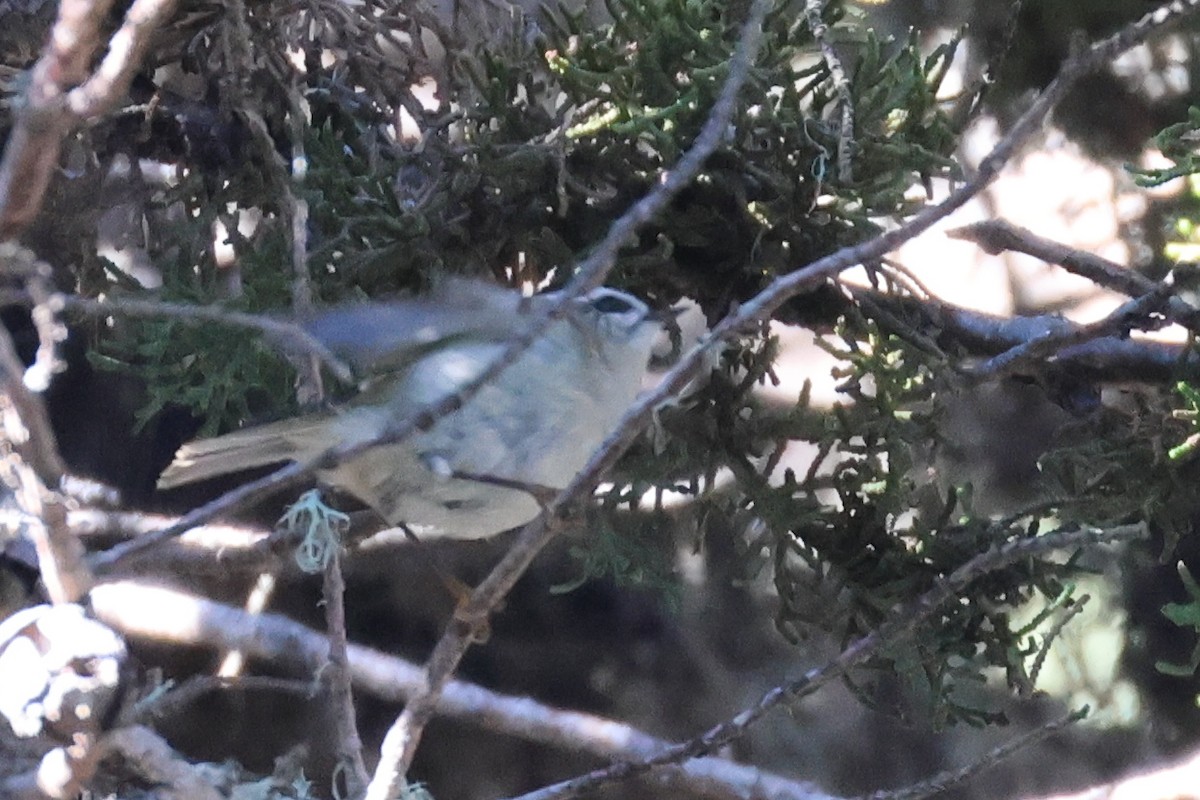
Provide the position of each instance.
(951, 778)
(128, 46)
(287, 336)
(51, 331)
(349, 744)
(146, 754)
(126, 524)
(42, 120)
(998, 235)
(1118, 324)
(302, 294)
(257, 600)
(930, 322)
(841, 85)
(154, 613)
(995, 53)
(239, 48)
(1107, 358)
(25, 426)
(238, 45)
(35, 440)
(164, 705)
(60, 559)
(1056, 628)
(241, 497)
(899, 626)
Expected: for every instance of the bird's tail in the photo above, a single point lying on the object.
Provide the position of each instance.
(241, 450)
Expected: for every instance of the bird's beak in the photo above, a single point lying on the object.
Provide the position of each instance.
(666, 316)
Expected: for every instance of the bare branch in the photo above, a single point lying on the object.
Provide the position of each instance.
(31, 434)
(35, 475)
(901, 624)
(998, 235)
(948, 780)
(154, 760)
(288, 337)
(242, 497)
(1119, 323)
(61, 95)
(349, 745)
(154, 612)
(128, 46)
(841, 84)
(1086, 354)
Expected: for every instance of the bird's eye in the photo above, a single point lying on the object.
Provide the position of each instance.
(611, 304)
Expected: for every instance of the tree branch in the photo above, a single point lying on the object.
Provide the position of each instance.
(997, 235)
(901, 624)
(61, 95)
(154, 613)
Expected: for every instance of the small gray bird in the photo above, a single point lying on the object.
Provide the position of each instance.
(534, 426)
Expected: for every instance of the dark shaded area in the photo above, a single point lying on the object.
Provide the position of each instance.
(1109, 115)
(1151, 582)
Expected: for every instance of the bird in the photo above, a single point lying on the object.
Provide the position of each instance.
(476, 471)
